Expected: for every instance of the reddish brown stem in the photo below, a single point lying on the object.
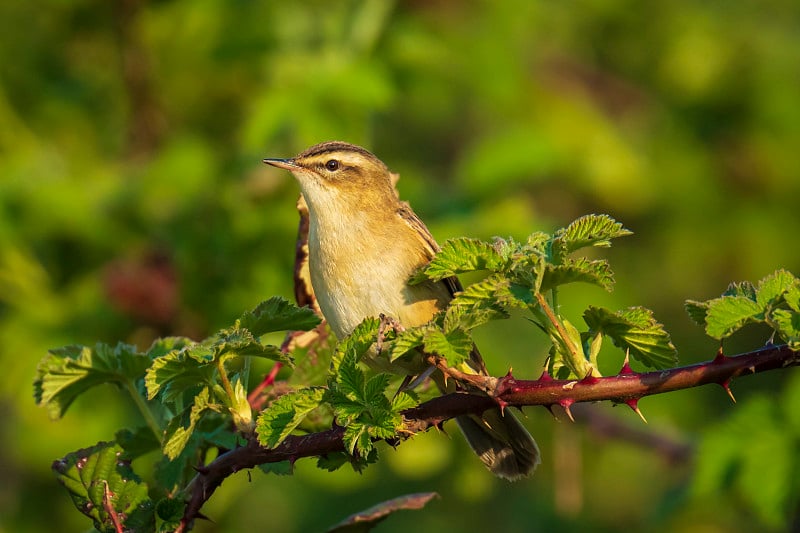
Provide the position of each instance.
(545, 391)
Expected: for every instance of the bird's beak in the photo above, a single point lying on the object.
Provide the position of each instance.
(287, 164)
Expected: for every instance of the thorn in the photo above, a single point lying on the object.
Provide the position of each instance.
(202, 470)
(565, 404)
(549, 408)
(752, 369)
(633, 403)
(545, 376)
(720, 357)
(626, 366)
(589, 379)
(727, 386)
(201, 516)
(502, 404)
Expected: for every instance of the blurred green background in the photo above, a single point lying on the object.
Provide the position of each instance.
(133, 204)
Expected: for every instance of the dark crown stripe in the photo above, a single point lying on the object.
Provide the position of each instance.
(334, 146)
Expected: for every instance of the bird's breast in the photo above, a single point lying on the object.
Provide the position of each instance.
(358, 271)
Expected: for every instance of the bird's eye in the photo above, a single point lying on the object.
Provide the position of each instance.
(332, 165)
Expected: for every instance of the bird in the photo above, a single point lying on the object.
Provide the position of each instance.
(364, 244)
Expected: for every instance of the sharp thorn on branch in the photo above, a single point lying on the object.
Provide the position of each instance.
(633, 403)
(727, 386)
(566, 405)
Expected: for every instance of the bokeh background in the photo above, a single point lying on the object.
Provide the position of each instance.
(133, 204)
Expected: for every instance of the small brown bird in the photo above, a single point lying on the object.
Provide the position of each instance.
(364, 245)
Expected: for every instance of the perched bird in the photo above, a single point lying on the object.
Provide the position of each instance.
(364, 245)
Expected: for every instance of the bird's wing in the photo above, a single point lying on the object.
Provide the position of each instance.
(452, 283)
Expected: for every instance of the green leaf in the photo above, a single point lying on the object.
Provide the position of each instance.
(169, 513)
(180, 428)
(588, 230)
(728, 314)
(350, 380)
(743, 288)
(596, 272)
(68, 372)
(635, 330)
(406, 341)
(240, 342)
(479, 303)
(179, 371)
(772, 288)
(105, 489)
(788, 324)
(697, 311)
(356, 438)
(455, 346)
(458, 256)
(278, 314)
(283, 415)
(375, 388)
(403, 401)
(358, 342)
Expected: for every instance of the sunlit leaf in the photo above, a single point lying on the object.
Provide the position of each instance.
(68, 372)
(283, 415)
(105, 488)
(636, 331)
(278, 314)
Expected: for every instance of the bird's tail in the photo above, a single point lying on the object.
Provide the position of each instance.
(501, 442)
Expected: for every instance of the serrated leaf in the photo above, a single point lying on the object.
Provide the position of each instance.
(458, 256)
(369, 518)
(375, 388)
(728, 314)
(636, 331)
(68, 372)
(278, 314)
(792, 297)
(356, 437)
(169, 513)
(478, 304)
(741, 288)
(350, 379)
(164, 345)
(283, 415)
(403, 401)
(772, 288)
(406, 341)
(241, 342)
(358, 342)
(788, 324)
(97, 480)
(177, 372)
(180, 428)
(454, 346)
(596, 272)
(588, 230)
(697, 311)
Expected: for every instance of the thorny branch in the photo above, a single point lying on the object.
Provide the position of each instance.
(626, 387)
